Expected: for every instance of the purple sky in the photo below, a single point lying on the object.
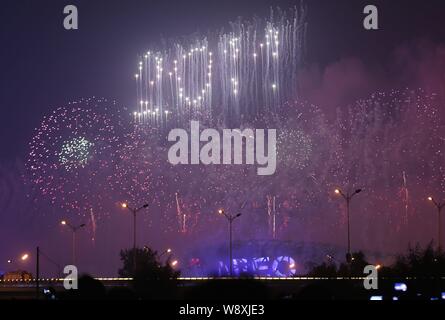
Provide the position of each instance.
(43, 66)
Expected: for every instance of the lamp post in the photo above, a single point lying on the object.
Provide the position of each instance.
(37, 272)
(230, 218)
(134, 211)
(348, 197)
(165, 252)
(439, 206)
(24, 257)
(74, 230)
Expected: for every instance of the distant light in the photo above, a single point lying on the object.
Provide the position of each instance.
(174, 263)
(124, 205)
(24, 257)
(292, 266)
(169, 250)
(430, 198)
(376, 298)
(395, 298)
(400, 287)
(337, 191)
(443, 295)
(63, 222)
(378, 266)
(9, 261)
(221, 211)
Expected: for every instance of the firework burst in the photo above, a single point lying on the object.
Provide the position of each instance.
(72, 156)
(233, 75)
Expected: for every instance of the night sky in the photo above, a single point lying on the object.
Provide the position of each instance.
(44, 66)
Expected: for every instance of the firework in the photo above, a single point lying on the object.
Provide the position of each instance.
(72, 156)
(75, 153)
(234, 75)
(383, 135)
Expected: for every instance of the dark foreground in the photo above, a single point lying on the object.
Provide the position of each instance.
(228, 289)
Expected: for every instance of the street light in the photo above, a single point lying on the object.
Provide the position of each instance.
(439, 206)
(134, 211)
(73, 229)
(164, 252)
(24, 257)
(348, 197)
(230, 218)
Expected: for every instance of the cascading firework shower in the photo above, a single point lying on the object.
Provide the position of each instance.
(235, 75)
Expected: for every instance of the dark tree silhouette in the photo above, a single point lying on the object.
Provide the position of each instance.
(353, 269)
(419, 263)
(152, 279)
